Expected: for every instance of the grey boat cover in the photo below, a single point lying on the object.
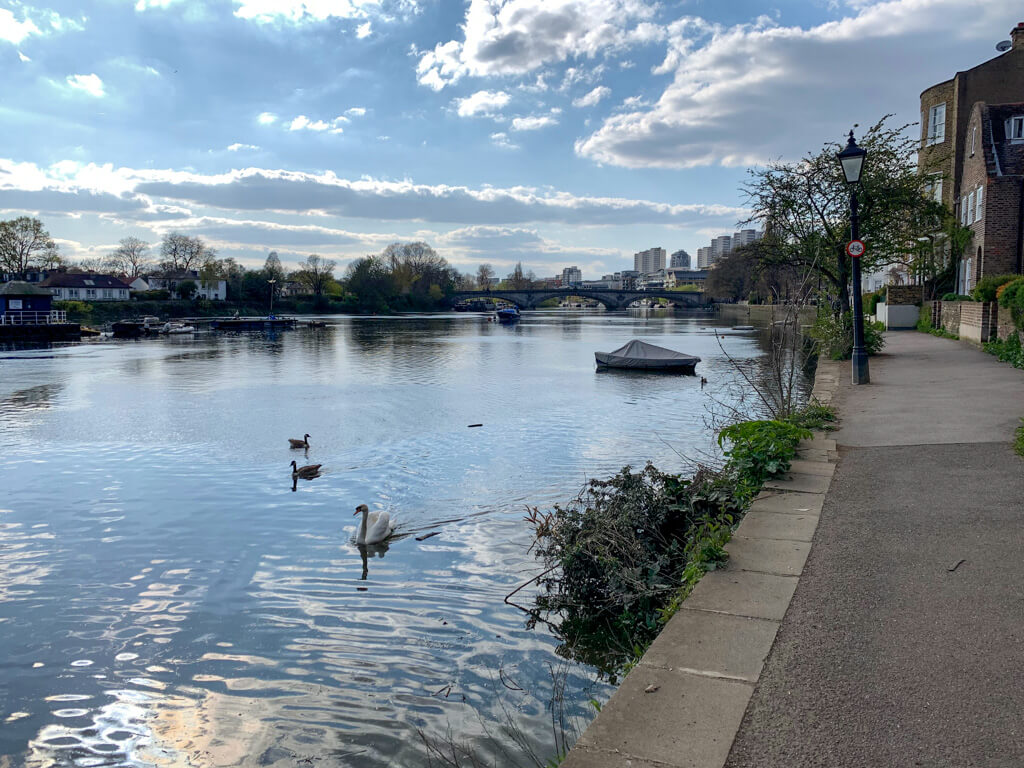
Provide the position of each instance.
(640, 354)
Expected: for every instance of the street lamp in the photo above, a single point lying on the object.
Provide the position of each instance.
(271, 282)
(852, 160)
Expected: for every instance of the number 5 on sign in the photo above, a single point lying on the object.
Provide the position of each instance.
(855, 249)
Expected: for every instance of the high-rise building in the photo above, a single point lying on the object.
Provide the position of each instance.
(649, 261)
(745, 237)
(680, 260)
(571, 276)
(703, 257)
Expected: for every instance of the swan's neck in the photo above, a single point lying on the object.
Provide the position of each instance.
(362, 526)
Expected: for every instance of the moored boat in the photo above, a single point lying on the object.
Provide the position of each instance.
(508, 314)
(640, 356)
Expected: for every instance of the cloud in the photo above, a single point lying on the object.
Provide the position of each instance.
(266, 118)
(303, 123)
(491, 238)
(14, 31)
(746, 93)
(364, 30)
(302, 11)
(482, 104)
(90, 84)
(514, 37)
(237, 146)
(23, 57)
(254, 232)
(533, 123)
(501, 139)
(355, 111)
(593, 97)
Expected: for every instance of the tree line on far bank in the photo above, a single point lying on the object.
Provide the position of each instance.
(404, 276)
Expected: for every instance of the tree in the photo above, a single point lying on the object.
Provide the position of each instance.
(316, 273)
(370, 279)
(181, 253)
(187, 289)
(517, 280)
(272, 269)
(804, 208)
(416, 266)
(484, 275)
(130, 257)
(25, 244)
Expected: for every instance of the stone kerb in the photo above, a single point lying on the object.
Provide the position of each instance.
(682, 704)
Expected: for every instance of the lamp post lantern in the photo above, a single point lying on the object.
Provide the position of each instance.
(271, 282)
(852, 160)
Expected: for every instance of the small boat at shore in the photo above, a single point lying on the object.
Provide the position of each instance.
(508, 315)
(640, 356)
(743, 327)
(172, 329)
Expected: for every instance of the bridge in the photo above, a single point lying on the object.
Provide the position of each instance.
(612, 299)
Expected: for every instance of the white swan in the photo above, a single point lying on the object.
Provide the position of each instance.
(375, 528)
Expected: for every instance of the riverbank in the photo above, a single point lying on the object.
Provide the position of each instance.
(682, 703)
(761, 314)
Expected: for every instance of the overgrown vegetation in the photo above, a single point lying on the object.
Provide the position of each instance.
(987, 287)
(835, 336)
(621, 557)
(1011, 297)
(1018, 439)
(924, 324)
(1008, 351)
(956, 297)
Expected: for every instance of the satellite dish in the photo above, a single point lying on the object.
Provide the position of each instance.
(1003, 46)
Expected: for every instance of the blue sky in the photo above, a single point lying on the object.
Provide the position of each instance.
(552, 132)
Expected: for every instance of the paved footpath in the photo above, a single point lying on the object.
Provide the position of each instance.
(904, 642)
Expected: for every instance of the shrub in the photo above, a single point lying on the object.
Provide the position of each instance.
(986, 288)
(74, 308)
(1009, 351)
(956, 297)
(835, 336)
(758, 450)
(1012, 298)
(158, 295)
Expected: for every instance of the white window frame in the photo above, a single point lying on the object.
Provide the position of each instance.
(963, 211)
(1015, 128)
(90, 293)
(936, 125)
(970, 207)
(935, 186)
(979, 198)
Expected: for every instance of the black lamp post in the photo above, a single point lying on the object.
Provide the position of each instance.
(852, 160)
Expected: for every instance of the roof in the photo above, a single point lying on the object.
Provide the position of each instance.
(82, 280)
(19, 288)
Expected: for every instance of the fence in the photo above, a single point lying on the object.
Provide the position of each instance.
(18, 317)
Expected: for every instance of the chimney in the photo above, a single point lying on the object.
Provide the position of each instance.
(1017, 37)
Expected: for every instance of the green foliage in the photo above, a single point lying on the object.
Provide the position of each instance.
(157, 295)
(758, 450)
(1018, 439)
(956, 297)
(986, 288)
(872, 300)
(1012, 298)
(1009, 351)
(835, 336)
(924, 324)
(814, 415)
(187, 289)
(75, 309)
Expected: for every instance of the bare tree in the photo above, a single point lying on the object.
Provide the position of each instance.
(25, 244)
(131, 257)
(272, 269)
(182, 253)
(484, 275)
(316, 273)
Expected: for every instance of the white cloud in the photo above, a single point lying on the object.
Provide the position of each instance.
(513, 37)
(501, 139)
(593, 97)
(364, 30)
(303, 123)
(302, 11)
(355, 111)
(14, 31)
(533, 123)
(69, 186)
(237, 146)
(90, 84)
(746, 93)
(23, 57)
(266, 118)
(482, 104)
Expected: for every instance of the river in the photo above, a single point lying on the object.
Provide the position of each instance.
(168, 598)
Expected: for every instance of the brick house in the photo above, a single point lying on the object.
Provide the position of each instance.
(969, 150)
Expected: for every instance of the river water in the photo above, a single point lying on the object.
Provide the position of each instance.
(168, 598)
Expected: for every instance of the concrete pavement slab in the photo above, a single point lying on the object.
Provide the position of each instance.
(788, 503)
(809, 467)
(743, 593)
(785, 558)
(686, 721)
(713, 644)
(589, 757)
(759, 523)
(800, 483)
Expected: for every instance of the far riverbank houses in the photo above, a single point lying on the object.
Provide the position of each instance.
(972, 148)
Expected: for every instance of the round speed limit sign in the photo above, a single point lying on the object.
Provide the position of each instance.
(855, 249)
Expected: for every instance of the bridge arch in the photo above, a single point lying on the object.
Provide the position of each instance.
(611, 299)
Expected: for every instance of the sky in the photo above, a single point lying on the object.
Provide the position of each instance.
(551, 132)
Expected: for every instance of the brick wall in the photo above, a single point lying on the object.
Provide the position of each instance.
(977, 321)
(950, 316)
(903, 294)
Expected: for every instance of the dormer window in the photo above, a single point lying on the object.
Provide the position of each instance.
(1015, 128)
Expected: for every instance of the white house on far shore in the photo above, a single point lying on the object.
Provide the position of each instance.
(214, 290)
(80, 286)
